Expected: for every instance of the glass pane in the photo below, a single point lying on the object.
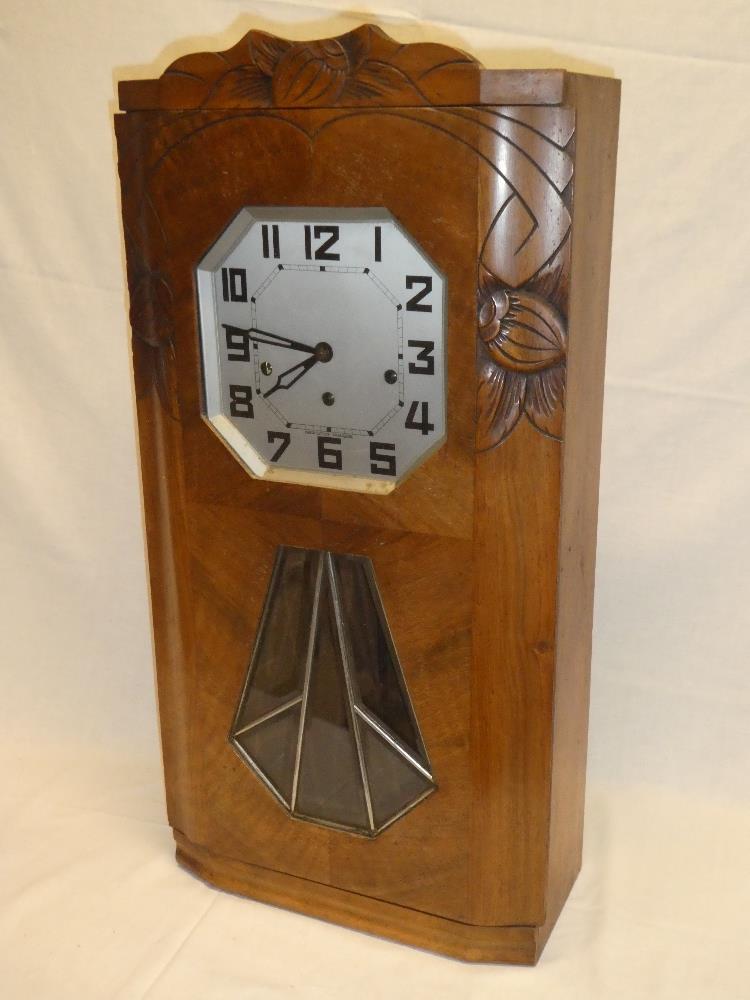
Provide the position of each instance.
(272, 745)
(374, 665)
(394, 783)
(303, 615)
(278, 668)
(330, 780)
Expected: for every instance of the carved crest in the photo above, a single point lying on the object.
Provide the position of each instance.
(358, 68)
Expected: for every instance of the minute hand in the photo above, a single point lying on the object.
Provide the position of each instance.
(264, 337)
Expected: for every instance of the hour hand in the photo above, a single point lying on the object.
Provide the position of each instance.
(287, 379)
(264, 337)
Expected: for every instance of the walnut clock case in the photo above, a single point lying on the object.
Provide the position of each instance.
(368, 287)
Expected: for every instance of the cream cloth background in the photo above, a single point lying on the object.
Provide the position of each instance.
(92, 905)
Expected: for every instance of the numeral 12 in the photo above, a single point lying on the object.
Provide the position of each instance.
(322, 252)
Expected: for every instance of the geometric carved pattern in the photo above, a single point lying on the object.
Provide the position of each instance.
(325, 719)
(524, 270)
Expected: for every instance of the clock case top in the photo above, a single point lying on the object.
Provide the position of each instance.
(362, 68)
(485, 556)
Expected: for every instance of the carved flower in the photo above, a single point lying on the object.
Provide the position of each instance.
(284, 73)
(521, 330)
(521, 362)
(312, 74)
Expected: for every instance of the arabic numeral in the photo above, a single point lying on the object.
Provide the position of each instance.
(270, 239)
(329, 453)
(416, 303)
(238, 343)
(234, 284)
(382, 458)
(424, 354)
(423, 424)
(322, 252)
(284, 437)
(241, 401)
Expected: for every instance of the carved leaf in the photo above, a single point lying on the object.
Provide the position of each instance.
(375, 79)
(544, 404)
(358, 45)
(246, 82)
(500, 399)
(266, 51)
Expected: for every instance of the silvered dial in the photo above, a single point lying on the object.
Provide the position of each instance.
(323, 346)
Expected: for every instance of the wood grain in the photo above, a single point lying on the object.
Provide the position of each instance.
(597, 103)
(514, 945)
(484, 556)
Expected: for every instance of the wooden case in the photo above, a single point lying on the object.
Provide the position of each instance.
(484, 556)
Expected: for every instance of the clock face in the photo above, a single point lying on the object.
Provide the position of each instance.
(323, 346)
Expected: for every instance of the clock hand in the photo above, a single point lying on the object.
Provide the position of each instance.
(264, 337)
(287, 379)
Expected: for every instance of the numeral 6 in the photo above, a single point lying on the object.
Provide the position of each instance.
(329, 453)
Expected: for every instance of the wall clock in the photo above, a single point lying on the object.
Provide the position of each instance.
(368, 286)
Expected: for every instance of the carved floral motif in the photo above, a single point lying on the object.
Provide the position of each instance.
(285, 73)
(524, 266)
(361, 67)
(522, 364)
(520, 330)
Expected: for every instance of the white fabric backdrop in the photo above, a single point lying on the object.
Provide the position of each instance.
(91, 903)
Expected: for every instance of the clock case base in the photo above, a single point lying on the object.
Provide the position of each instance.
(513, 945)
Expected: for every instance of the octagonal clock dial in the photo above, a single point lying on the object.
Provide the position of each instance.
(323, 346)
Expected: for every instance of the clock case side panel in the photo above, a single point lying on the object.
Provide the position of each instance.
(597, 104)
(160, 454)
(536, 488)
(535, 537)
(523, 269)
